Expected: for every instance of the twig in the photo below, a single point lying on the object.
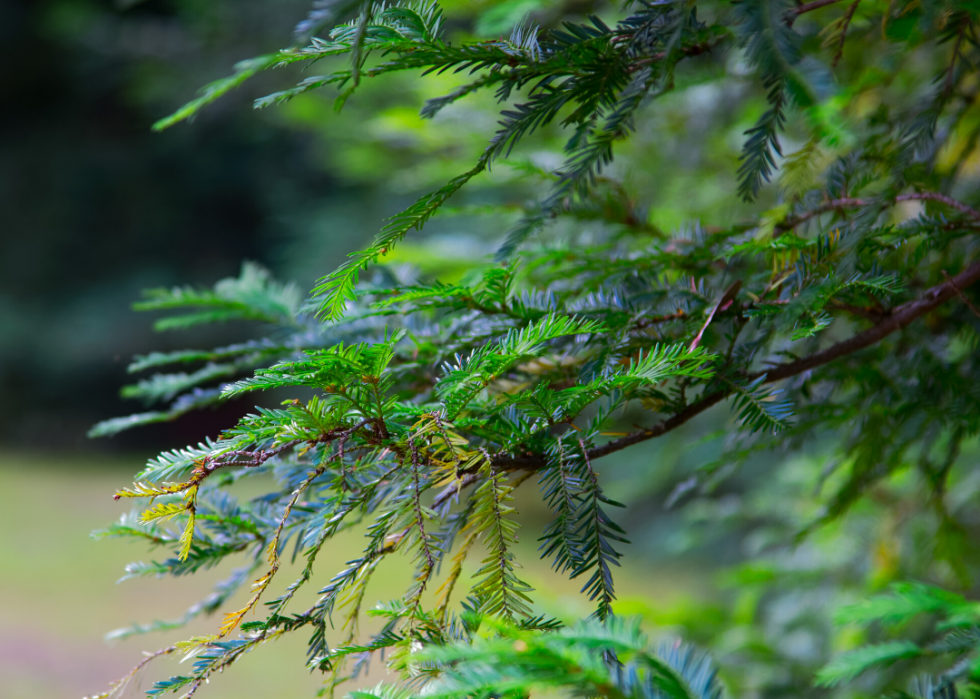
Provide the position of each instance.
(846, 22)
(654, 320)
(730, 293)
(961, 295)
(453, 489)
(257, 458)
(793, 221)
(791, 15)
(119, 684)
(899, 318)
(948, 85)
(853, 203)
(420, 519)
(872, 314)
(941, 198)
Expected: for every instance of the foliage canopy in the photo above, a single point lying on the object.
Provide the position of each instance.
(840, 308)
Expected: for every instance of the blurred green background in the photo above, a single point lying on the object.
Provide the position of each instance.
(96, 207)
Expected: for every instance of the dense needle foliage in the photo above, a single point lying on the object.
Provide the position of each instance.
(841, 309)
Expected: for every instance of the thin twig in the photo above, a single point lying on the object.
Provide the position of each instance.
(791, 15)
(896, 320)
(120, 683)
(961, 295)
(941, 198)
(853, 203)
(654, 320)
(793, 221)
(420, 519)
(948, 86)
(846, 21)
(453, 489)
(872, 314)
(726, 298)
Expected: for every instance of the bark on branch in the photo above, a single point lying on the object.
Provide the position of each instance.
(853, 203)
(899, 318)
(791, 16)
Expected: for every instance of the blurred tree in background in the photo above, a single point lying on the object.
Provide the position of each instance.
(96, 207)
(629, 296)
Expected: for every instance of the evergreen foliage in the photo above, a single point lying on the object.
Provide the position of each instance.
(418, 406)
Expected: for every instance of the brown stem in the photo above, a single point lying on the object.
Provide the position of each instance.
(899, 318)
(793, 221)
(948, 86)
(843, 32)
(962, 295)
(419, 518)
(791, 16)
(453, 489)
(852, 203)
(257, 458)
(118, 684)
(872, 314)
(653, 320)
(941, 198)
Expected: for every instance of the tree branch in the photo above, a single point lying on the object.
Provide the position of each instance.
(941, 198)
(848, 16)
(791, 16)
(962, 296)
(872, 314)
(793, 221)
(653, 320)
(896, 320)
(853, 203)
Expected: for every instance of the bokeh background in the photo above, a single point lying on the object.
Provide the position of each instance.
(96, 207)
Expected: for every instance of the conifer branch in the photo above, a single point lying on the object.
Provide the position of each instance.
(119, 685)
(845, 23)
(854, 203)
(791, 15)
(428, 384)
(899, 318)
(428, 562)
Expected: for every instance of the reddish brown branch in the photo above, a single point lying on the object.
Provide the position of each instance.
(452, 490)
(848, 16)
(942, 199)
(654, 320)
(695, 50)
(791, 16)
(793, 221)
(257, 458)
(899, 318)
(853, 203)
(118, 684)
(872, 314)
(896, 320)
(950, 73)
(962, 296)
(426, 570)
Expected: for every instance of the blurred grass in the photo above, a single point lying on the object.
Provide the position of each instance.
(59, 593)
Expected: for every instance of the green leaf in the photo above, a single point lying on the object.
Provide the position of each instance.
(847, 666)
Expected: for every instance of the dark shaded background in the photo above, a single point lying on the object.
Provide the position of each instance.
(97, 207)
